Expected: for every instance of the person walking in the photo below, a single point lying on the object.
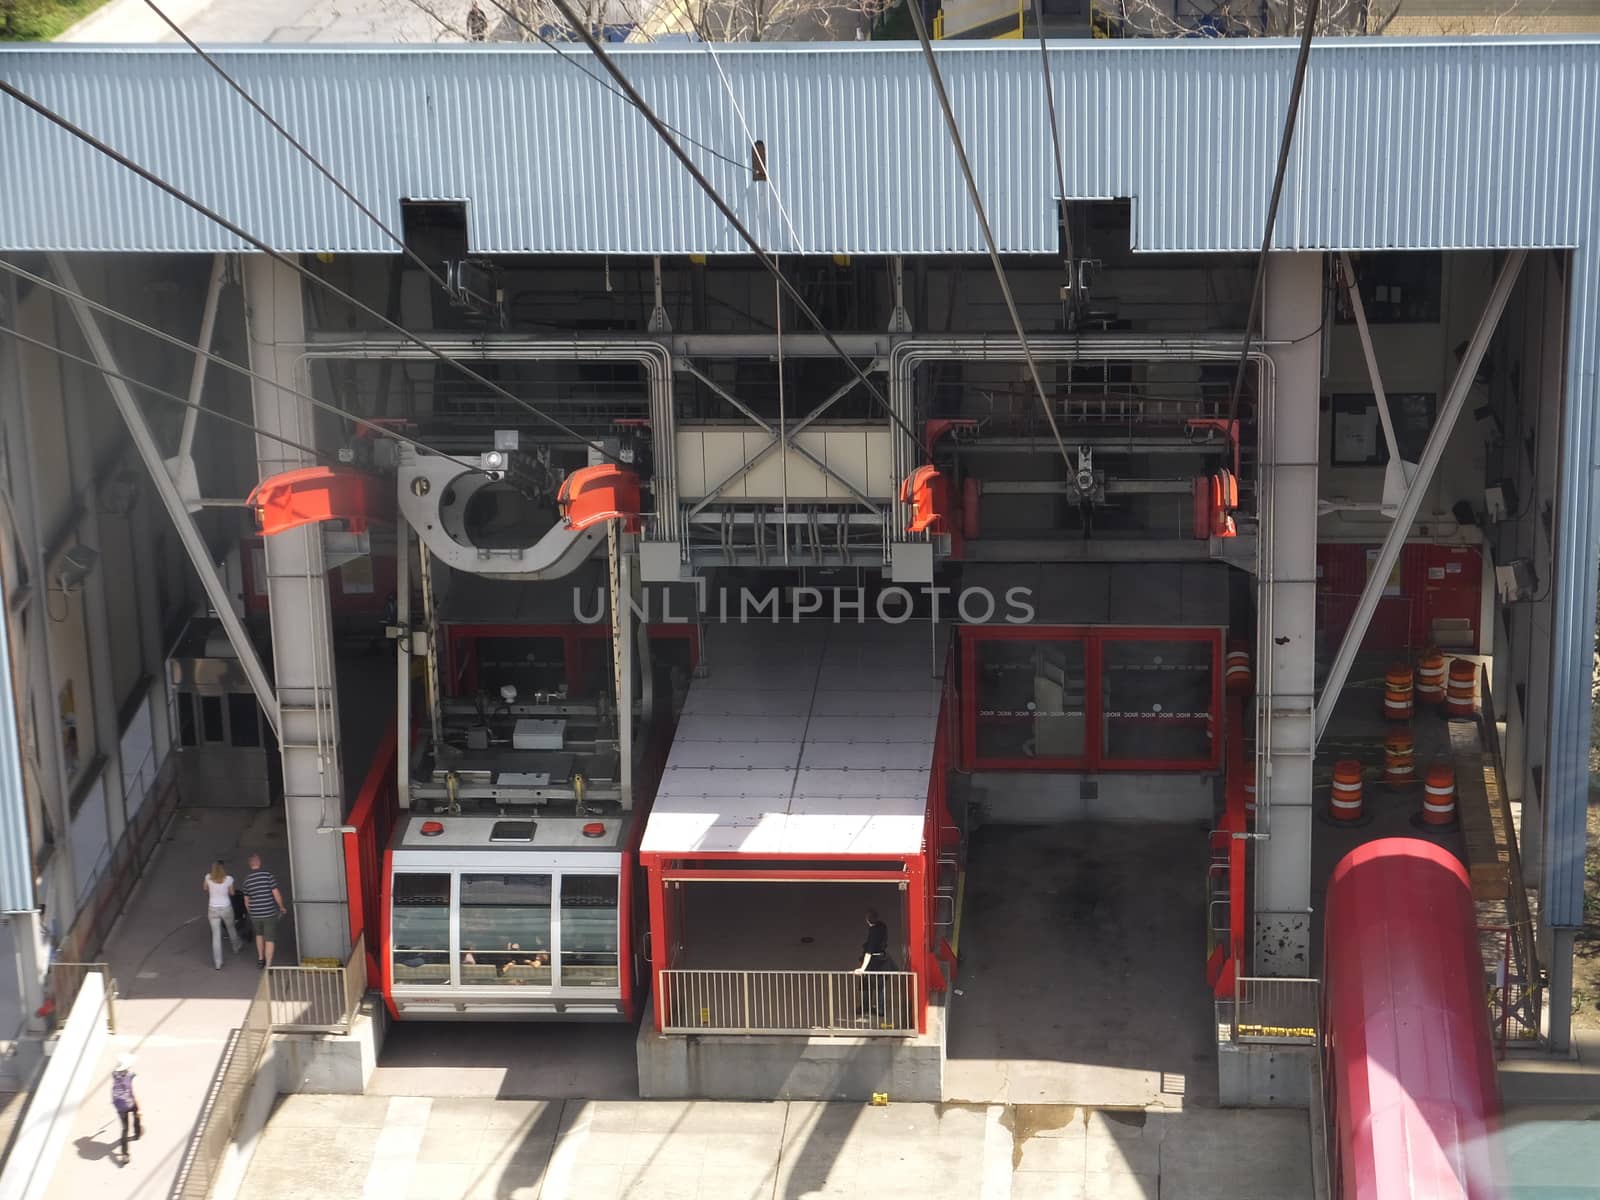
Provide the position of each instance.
(219, 910)
(263, 900)
(874, 959)
(127, 1106)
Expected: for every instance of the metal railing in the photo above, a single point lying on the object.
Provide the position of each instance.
(66, 981)
(831, 1003)
(1274, 1011)
(230, 1088)
(318, 999)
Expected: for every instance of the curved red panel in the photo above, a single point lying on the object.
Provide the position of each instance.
(1414, 1100)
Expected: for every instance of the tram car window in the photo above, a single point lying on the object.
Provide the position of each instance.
(421, 928)
(505, 929)
(589, 931)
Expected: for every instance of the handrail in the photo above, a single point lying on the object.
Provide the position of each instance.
(318, 999)
(804, 1003)
(225, 1100)
(1270, 1010)
(1524, 945)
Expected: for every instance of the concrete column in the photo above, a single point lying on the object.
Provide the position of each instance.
(302, 631)
(1287, 604)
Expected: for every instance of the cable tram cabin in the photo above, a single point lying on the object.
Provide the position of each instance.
(517, 918)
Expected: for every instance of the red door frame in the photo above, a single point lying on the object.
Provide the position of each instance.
(1093, 638)
(659, 871)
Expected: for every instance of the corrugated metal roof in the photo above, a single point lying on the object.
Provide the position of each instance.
(1466, 143)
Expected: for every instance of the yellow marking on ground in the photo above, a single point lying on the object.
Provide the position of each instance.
(955, 931)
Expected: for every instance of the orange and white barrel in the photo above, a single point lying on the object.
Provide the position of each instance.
(1430, 678)
(1399, 759)
(1462, 698)
(1439, 795)
(1397, 693)
(1344, 802)
(1250, 792)
(1236, 669)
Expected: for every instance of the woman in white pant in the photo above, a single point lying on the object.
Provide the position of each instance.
(219, 911)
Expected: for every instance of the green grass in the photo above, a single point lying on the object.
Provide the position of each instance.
(41, 20)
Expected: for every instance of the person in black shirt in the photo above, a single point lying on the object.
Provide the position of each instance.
(874, 958)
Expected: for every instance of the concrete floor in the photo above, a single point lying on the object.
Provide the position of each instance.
(408, 1148)
(1082, 968)
(509, 1061)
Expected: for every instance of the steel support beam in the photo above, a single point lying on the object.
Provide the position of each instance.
(1288, 422)
(1416, 489)
(197, 378)
(760, 456)
(403, 648)
(772, 432)
(302, 634)
(188, 533)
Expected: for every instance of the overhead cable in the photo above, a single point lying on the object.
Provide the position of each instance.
(163, 393)
(295, 142)
(983, 220)
(375, 427)
(1060, 163)
(1258, 288)
(722, 205)
(184, 198)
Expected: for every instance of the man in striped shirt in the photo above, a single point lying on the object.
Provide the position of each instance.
(264, 901)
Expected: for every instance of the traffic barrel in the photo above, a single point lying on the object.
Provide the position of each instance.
(1249, 774)
(1397, 693)
(1462, 698)
(1345, 799)
(1237, 670)
(1430, 678)
(1399, 759)
(1439, 795)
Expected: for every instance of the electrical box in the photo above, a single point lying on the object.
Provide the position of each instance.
(1500, 499)
(1515, 580)
(532, 733)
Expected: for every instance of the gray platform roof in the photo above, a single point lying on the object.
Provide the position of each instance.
(1436, 143)
(1403, 144)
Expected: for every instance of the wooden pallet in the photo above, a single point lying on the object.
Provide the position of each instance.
(1483, 814)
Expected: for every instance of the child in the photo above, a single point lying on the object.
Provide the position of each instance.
(122, 1099)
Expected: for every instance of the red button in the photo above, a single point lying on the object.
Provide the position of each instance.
(432, 828)
(594, 829)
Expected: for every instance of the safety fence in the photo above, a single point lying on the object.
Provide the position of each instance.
(843, 1003)
(318, 999)
(1519, 1006)
(230, 1088)
(1273, 1011)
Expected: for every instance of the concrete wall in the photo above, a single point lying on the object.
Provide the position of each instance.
(53, 1108)
(1263, 1076)
(707, 1067)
